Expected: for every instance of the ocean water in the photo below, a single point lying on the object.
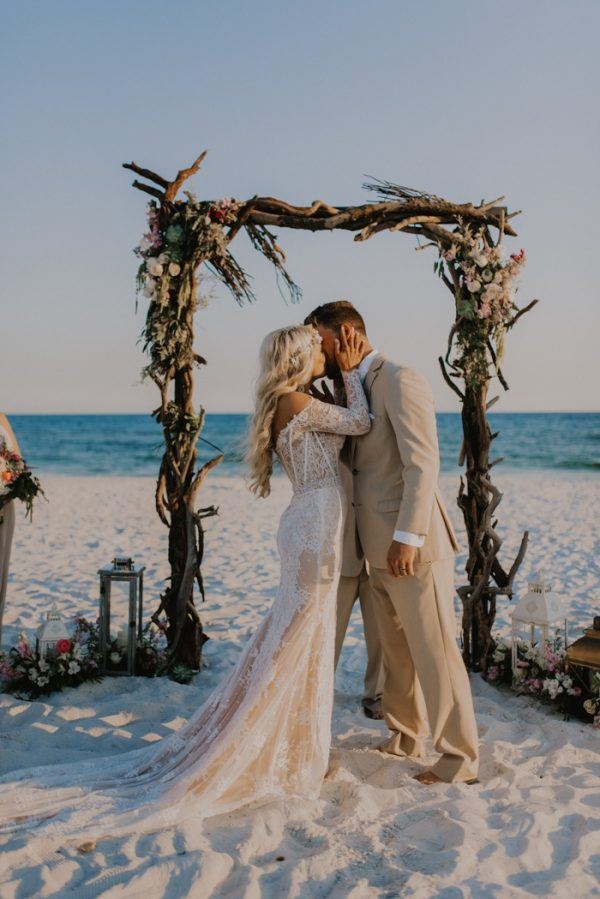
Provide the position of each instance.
(132, 444)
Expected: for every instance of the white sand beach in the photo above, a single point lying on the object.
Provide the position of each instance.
(530, 828)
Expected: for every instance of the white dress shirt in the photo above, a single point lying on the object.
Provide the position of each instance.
(400, 536)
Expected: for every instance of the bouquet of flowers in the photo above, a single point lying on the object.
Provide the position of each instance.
(542, 673)
(16, 480)
(27, 675)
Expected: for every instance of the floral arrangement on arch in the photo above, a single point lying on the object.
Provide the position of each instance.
(543, 674)
(16, 480)
(170, 257)
(485, 287)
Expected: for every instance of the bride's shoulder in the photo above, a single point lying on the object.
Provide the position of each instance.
(292, 403)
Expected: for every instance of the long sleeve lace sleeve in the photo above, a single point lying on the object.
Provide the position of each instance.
(353, 419)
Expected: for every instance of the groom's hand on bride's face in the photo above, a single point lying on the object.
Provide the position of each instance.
(401, 559)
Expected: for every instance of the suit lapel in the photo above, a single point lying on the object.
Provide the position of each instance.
(372, 374)
(368, 386)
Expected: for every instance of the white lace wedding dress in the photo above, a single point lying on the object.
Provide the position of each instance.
(264, 733)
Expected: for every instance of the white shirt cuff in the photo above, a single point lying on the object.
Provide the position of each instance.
(408, 538)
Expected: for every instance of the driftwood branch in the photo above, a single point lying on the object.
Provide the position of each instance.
(148, 174)
(449, 380)
(521, 312)
(172, 187)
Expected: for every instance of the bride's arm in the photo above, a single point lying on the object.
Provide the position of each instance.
(352, 419)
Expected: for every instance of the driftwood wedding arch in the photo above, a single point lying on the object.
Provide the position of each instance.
(184, 234)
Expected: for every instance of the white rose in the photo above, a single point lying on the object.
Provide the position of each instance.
(174, 269)
(154, 267)
(491, 292)
(487, 275)
(474, 286)
(478, 257)
(115, 658)
(163, 258)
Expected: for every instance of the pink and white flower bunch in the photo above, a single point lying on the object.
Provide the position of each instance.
(592, 705)
(542, 672)
(152, 647)
(12, 466)
(16, 480)
(487, 279)
(224, 211)
(158, 254)
(25, 673)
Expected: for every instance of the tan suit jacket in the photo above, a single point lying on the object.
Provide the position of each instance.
(392, 472)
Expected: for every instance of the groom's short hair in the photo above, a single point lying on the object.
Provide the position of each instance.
(334, 315)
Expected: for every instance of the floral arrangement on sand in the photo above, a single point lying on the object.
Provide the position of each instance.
(16, 480)
(76, 660)
(151, 649)
(543, 674)
(27, 675)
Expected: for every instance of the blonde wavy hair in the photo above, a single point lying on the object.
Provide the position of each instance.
(286, 364)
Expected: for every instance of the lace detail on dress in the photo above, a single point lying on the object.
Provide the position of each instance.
(309, 445)
(265, 732)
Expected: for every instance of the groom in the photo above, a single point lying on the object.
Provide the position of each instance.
(402, 529)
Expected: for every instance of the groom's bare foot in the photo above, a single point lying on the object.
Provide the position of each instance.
(427, 778)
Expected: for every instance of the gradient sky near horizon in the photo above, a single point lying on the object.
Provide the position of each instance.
(302, 101)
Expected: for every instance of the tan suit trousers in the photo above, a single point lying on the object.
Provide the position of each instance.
(425, 676)
(350, 589)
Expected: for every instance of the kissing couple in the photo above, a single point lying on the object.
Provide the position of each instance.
(363, 462)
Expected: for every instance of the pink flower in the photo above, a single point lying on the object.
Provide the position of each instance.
(24, 649)
(596, 721)
(6, 670)
(484, 310)
(63, 646)
(493, 672)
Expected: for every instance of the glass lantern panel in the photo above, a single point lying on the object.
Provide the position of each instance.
(119, 612)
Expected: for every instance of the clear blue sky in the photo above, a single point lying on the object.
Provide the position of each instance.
(299, 100)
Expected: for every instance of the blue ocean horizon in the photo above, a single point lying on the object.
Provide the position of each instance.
(132, 444)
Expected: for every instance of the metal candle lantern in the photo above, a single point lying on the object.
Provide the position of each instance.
(541, 609)
(122, 569)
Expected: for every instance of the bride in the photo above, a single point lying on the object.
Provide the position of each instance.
(265, 732)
